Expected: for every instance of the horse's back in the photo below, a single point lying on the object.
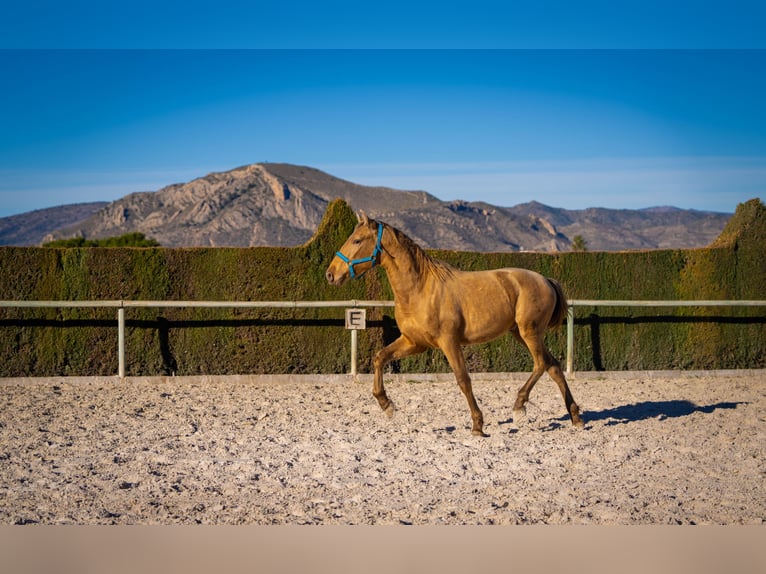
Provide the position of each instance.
(536, 299)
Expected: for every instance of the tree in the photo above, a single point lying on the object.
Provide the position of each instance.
(579, 243)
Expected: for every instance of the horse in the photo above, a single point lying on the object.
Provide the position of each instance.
(439, 306)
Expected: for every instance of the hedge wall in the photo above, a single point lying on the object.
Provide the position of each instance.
(45, 342)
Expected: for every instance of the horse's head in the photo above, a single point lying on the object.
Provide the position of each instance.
(360, 253)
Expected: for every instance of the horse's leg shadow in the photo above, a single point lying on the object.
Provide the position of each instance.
(646, 410)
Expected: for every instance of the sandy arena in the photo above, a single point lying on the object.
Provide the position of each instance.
(657, 448)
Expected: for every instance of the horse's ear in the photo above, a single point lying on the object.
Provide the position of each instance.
(362, 217)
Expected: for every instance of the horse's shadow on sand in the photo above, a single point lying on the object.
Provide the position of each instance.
(625, 414)
(646, 410)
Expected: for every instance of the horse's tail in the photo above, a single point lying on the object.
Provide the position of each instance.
(560, 310)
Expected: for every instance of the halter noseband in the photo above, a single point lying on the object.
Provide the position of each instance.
(372, 258)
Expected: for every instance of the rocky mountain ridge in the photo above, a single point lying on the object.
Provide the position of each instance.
(282, 205)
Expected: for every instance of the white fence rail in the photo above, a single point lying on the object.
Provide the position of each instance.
(617, 303)
(121, 305)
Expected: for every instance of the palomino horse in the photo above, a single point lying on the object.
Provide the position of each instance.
(438, 306)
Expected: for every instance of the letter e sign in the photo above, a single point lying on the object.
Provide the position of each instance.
(356, 319)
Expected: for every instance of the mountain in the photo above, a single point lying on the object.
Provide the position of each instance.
(30, 228)
(282, 205)
(623, 229)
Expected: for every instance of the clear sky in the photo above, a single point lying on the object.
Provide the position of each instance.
(564, 106)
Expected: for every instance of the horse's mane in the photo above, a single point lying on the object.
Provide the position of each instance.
(424, 263)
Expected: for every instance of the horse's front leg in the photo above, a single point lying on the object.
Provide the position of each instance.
(454, 353)
(400, 348)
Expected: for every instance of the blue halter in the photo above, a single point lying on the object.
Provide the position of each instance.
(371, 259)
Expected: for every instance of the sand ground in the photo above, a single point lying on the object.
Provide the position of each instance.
(657, 448)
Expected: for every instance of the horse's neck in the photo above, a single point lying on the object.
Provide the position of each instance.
(404, 272)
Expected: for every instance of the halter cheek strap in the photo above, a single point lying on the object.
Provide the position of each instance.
(371, 259)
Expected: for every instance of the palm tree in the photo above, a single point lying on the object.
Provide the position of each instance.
(579, 243)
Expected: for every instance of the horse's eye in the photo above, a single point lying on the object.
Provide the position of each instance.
(357, 241)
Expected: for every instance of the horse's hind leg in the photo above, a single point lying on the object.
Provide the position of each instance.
(519, 408)
(543, 361)
(402, 347)
(557, 375)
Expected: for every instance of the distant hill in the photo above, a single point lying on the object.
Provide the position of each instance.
(30, 228)
(282, 205)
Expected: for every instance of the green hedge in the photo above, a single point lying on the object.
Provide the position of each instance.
(44, 342)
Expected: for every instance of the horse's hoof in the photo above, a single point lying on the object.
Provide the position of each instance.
(479, 432)
(575, 415)
(520, 415)
(389, 410)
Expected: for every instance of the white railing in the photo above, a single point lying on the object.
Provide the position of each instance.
(616, 303)
(121, 305)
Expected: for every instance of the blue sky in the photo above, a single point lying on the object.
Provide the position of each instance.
(626, 110)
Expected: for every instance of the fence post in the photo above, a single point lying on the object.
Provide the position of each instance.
(355, 319)
(570, 340)
(121, 342)
(353, 351)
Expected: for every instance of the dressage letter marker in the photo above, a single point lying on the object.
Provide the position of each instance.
(356, 319)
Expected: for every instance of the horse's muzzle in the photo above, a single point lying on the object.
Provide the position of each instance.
(335, 275)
